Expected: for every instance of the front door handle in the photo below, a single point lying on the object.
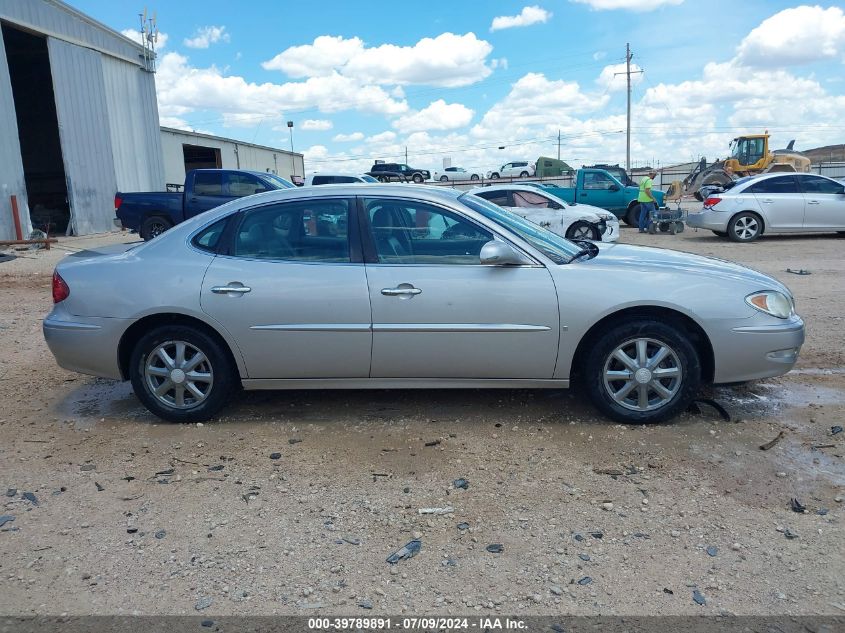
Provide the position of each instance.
(768, 200)
(400, 292)
(812, 202)
(238, 290)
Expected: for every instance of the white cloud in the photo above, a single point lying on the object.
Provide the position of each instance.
(447, 60)
(611, 80)
(383, 137)
(795, 36)
(317, 125)
(439, 115)
(135, 36)
(348, 138)
(206, 36)
(188, 88)
(598, 55)
(529, 15)
(630, 5)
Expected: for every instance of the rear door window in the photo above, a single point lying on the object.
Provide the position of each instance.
(305, 230)
(778, 184)
(496, 197)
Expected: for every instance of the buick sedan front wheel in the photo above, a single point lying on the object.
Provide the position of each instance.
(642, 371)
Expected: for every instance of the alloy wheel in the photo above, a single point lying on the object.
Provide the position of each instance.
(178, 374)
(746, 227)
(642, 374)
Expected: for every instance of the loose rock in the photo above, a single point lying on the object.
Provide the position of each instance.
(203, 603)
(495, 548)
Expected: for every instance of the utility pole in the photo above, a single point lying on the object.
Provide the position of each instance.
(627, 73)
(406, 154)
(558, 144)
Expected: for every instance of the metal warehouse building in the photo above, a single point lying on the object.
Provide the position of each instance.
(185, 150)
(78, 119)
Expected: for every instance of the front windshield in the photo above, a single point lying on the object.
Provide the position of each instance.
(280, 182)
(558, 249)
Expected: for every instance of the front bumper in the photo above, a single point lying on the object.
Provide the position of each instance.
(711, 220)
(87, 345)
(611, 232)
(752, 350)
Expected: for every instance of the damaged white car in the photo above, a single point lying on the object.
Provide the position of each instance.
(574, 222)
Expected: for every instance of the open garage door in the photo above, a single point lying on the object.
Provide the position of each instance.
(84, 130)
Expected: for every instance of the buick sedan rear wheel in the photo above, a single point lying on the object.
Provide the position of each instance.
(181, 374)
(642, 371)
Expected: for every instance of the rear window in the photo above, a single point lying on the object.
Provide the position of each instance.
(208, 183)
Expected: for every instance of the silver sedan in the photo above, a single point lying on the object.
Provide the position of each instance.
(773, 203)
(379, 286)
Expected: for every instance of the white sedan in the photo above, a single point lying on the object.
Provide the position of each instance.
(456, 173)
(574, 222)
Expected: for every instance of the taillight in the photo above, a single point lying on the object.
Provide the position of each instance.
(60, 288)
(117, 202)
(712, 201)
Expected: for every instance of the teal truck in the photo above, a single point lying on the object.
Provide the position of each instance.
(600, 188)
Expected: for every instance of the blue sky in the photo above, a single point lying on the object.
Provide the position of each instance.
(457, 79)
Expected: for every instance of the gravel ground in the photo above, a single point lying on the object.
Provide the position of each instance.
(291, 502)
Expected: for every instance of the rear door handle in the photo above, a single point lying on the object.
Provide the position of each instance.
(812, 202)
(768, 200)
(238, 290)
(398, 292)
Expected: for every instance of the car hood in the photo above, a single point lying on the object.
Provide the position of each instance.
(630, 259)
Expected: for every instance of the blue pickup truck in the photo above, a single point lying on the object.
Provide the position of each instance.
(600, 188)
(152, 213)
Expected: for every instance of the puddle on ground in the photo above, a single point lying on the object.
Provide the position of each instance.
(100, 398)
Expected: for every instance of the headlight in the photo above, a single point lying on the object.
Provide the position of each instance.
(772, 302)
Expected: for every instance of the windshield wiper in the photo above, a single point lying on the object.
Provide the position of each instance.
(589, 249)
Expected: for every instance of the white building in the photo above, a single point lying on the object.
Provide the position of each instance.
(184, 151)
(78, 119)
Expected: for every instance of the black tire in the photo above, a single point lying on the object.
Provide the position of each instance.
(632, 217)
(745, 227)
(652, 228)
(444, 178)
(218, 365)
(383, 179)
(720, 233)
(523, 174)
(663, 226)
(154, 226)
(679, 227)
(474, 177)
(681, 389)
(494, 176)
(572, 233)
(417, 178)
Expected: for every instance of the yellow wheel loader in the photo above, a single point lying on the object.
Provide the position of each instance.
(749, 156)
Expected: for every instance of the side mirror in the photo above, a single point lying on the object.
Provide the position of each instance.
(614, 187)
(496, 253)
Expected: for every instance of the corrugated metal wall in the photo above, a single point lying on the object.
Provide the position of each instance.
(11, 168)
(85, 135)
(60, 20)
(133, 125)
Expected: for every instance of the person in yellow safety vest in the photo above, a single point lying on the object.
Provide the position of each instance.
(648, 202)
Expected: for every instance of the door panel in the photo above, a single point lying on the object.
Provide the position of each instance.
(781, 203)
(438, 313)
(825, 206)
(306, 313)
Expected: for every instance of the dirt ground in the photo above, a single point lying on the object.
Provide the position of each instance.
(138, 516)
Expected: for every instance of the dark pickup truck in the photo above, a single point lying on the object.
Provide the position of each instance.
(152, 213)
(385, 172)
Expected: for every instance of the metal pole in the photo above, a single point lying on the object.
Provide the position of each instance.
(16, 218)
(558, 144)
(628, 129)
